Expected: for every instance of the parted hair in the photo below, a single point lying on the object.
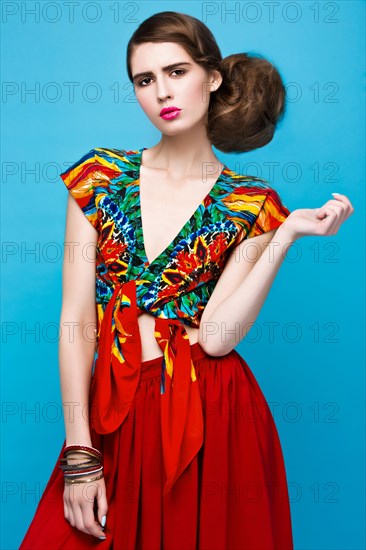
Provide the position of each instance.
(244, 111)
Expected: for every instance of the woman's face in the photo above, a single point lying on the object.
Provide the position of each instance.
(170, 78)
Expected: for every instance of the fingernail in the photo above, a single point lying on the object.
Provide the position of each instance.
(102, 538)
(104, 519)
(335, 193)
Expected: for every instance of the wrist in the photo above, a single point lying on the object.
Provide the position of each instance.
(79, 441)
(285, 234)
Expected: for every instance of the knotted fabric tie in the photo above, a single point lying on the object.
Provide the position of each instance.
(117, 374)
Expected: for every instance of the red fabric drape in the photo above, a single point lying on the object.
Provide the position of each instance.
(117, 374)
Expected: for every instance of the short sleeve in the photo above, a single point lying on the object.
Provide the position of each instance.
(80, 179)
(272, 214)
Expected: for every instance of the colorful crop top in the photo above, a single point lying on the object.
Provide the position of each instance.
(174, 288)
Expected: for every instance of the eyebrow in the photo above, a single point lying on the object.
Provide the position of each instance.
(165, 69)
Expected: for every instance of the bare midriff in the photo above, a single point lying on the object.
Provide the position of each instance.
(149, 346)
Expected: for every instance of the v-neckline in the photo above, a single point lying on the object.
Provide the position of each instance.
(168, 248)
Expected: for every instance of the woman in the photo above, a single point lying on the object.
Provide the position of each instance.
(179, 449)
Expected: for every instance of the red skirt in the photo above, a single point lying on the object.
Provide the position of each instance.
(232, 496)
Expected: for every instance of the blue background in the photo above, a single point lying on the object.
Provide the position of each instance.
(312, 370)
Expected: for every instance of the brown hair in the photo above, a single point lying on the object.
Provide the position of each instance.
(244, 111)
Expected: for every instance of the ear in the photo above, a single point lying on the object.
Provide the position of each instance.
(215, 80)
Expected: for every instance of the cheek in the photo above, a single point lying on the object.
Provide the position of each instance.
(194, 92)
(196, 97)
(145, 102)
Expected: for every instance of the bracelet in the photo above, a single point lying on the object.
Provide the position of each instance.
(80, 469)
(82, 465)
(77, 481)
(98, 457)
(77, 472)
(92, 450)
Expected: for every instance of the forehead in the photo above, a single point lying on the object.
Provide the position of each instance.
(152, 55)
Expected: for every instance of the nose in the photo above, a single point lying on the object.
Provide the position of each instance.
(162, 91)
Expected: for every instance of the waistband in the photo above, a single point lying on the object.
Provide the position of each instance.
(152, 367)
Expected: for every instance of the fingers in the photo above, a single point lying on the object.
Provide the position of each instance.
(333, 213)
(92, 527)
(66, 511)
(327, 216)
(342, 198)
(330, 213)
(79, 508)
(337, 207)
(343, 202)
(333, 220)
(329, 221)
(79, 520)
(340, 201)
(102, 508)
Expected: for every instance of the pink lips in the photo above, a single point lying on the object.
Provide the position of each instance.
(169, 112)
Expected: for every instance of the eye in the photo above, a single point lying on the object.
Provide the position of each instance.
(141, 81)
(182, 71)
(141, 85)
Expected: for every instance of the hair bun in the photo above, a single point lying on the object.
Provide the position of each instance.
(247, 106)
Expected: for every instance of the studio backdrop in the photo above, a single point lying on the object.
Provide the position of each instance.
(65, 91)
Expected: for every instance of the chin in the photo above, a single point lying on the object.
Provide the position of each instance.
(173, 129)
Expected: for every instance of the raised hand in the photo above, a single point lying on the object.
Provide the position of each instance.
(322, 221)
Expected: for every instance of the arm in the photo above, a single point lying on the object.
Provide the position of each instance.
(244, 284)
(77, 344)
(77, 322)
(242, 289)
